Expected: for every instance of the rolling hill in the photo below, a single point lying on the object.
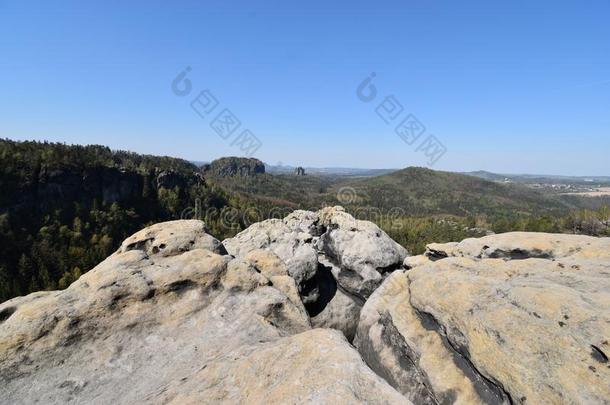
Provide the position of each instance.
(414, 191)
(421, 191)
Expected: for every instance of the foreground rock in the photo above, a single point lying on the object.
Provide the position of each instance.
(336, 260)
(169, 319)
(175, 316)
(528, 327)
(315, 367)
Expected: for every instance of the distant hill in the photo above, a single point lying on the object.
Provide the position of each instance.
(416, 191)
(423, 191)
(234, 166)
(280, 190)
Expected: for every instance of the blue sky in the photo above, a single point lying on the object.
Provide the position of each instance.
(505, 86)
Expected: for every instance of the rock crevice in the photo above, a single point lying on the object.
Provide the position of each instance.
(489, 391)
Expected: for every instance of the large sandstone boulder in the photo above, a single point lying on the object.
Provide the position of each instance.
(172, 238)
(530, 326)
(169, 319)
(361, 251)
(336, 260)
(524, 245)
(289, 238)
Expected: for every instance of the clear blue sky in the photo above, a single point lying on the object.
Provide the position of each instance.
(518, 86)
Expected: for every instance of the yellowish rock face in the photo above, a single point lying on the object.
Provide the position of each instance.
(530, 326)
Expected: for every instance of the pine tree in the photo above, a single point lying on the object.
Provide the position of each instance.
(25, 269)
(6, 289)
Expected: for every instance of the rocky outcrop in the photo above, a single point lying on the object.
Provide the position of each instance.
(314, 367)
(172, 238)
(299, 171)
(169, 319)
(524, 245)
(53, 187)
(175, 316)
(235, 166)
(518, 318)
(361, 252)
(49, 189)
(336, 260)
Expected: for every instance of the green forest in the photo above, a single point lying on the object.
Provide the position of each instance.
(63, 209)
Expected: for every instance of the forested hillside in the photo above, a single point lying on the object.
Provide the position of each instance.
(421, 191)
(417, 206)
(63, 208)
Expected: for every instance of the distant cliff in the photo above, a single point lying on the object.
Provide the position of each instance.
(234, 166)
(47, 175)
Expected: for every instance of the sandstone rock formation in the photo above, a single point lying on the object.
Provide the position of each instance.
(234, 166)
(175, 316)
(54, 186)
(524, 245)
(167, 319)
(336, 260)
(518, 318)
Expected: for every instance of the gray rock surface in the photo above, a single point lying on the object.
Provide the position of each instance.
(360, 250)
(341, 313)
(178, 324)
(523, 245)
(332, 257)
(528, 327)
(172, 317)
(172, 238)
(315, 367)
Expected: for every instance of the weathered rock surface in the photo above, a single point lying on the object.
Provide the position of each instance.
(315, 367)
(524, 245)
(529, 327)
(336, 260)
(341, 313)
(167, 320)
(172, 238)
(361, 251)
(289, 238)
(174, 316)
